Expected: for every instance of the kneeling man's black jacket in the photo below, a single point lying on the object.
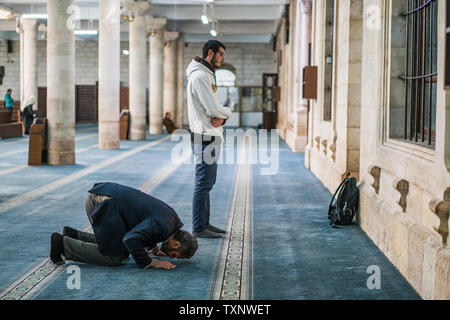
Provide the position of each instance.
(131, 221)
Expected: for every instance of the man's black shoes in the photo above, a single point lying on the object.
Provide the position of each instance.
(214, 229)
(57, 248)
(206, 234)
(70, 232)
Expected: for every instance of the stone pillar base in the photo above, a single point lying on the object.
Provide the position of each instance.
(296, 143)
(155, 129)
(56, 158)
(109, 135)
(328, 172)
(137, 134)
(308, 157)
(109, 145)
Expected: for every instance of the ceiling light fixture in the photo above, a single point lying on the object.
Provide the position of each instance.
(85, 32)
(35, 16)
(5, 14)
(204, 16)
(126, 52)
(213, 31)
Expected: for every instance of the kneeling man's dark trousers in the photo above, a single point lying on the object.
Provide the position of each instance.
(85, 249)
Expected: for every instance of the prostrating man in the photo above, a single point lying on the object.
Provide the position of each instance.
(125, 221)
(206, 117)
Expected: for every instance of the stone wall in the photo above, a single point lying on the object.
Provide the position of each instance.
(404, 187)
(334, 139)
(404, 214)
(11, 61)
(249, 60)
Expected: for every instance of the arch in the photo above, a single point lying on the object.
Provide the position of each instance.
(228, 66)
(225, 78)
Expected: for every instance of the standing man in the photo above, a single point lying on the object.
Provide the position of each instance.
(9, 102)
(206, 117)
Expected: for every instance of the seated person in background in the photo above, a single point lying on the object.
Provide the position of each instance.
(9, 101)
(125, 221)
(168, 123)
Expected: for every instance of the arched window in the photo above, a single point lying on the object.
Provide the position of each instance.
(225, 78)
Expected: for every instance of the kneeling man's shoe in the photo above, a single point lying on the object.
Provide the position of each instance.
(70, 232)
(206, 234)
(57, 248)
(214, 229)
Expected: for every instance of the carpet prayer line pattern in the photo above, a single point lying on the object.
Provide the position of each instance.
(70, 178)
(26, 149)
(17, 168)
(233, 273)
(40, 276)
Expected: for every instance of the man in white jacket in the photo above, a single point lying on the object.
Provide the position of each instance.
(206, 117)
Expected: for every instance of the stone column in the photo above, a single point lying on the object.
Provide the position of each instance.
(138, 70)
(109, 74)
(301, 112)
(180, 81)
(156, 28)
(170, 74)
(21, 63)
(305, 13)
(29, 28)
(60, 84)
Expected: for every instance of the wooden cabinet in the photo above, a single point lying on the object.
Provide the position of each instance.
(271, 97)
(310, 82)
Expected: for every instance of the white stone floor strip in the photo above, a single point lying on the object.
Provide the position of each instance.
(13, 169)
(26, 149)
(25, 138)
(16, 201)
(17, 168)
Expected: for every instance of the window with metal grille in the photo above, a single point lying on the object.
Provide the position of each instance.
(328, 63)
(420, 71)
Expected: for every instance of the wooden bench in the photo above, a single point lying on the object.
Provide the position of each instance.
(15, 117)
(9, 129)
(37, 148)
(5, 116)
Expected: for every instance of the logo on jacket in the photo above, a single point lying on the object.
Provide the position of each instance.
(214, 88)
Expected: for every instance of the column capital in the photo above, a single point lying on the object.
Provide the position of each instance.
(140, 8)
(170, 37)
(156, 24)
(28, 24)
(305, 6)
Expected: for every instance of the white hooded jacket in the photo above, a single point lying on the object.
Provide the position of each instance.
(203, 102)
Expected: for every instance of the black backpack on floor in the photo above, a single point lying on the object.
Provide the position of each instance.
(343, 208)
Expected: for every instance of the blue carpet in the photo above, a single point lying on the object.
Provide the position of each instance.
(190, 280)
(296, 255)
(25, 229)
